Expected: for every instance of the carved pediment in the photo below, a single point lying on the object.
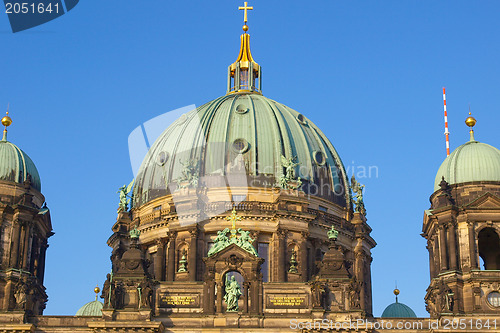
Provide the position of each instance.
(486, 201)
(231, 251)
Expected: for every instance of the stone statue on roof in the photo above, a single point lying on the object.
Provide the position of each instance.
(125, 196)
(357, 195)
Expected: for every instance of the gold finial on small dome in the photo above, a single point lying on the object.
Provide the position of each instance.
(396, 291)
(97, 290)
(6, 121)
(471, 122)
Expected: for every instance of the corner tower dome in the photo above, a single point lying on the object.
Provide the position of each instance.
(15, 165)
(470, 162)
(263, 132)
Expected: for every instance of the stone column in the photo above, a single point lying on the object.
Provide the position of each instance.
(280, 257)
(26, 246)
(219, 297)
(432, 267)
(246, 294)
(452, 244)
(472, 245)
(41, 265)
(360, 277)
(193, 254)
(14, 252)
(255, 307)
(208, 298)
(171, 256)
(442, 249)
(7, 295)
(21, 245)
(303, 256)
(437, 258)
(159, 260)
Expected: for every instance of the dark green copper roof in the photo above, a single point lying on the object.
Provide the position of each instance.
(472, 161)
(90, 309)
(266, 128)
(398, 310)
(15, 165)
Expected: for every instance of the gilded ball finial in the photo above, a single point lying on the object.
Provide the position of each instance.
(396, 291)
(97, 290)
(245, 28)
(470, 121)
(6, 121)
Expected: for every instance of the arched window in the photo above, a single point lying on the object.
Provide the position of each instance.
(489, 248)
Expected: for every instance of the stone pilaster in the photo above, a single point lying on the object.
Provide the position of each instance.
(443, 249)
(303, 256)
(452, 246)
(193, 253)
(14, 247)
(171, 256)
(280, 255)
(159, 260)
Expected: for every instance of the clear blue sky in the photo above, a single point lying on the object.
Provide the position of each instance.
(369, 73)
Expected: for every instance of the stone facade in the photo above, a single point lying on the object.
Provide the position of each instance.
(24, 232)
(462, 229)
(281, 223)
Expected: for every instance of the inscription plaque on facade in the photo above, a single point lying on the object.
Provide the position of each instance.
(168, 300)
(277, 301)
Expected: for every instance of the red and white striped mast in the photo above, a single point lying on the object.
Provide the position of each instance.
(446, 132)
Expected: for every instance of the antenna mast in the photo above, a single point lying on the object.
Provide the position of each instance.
(446, 132)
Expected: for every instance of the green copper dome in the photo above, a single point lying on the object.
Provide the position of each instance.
(398, 310)
(472, 161)
(90, 309)
(261, 130)
(15, 165)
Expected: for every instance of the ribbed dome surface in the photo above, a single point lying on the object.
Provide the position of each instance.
(90, 309)
(398, 310)
(261, 129)
(15, 165)
(472, 161)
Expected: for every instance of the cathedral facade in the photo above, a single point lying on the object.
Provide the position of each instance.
(242, 217)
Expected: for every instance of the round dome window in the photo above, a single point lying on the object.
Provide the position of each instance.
(182, 119)
(319, 158)
(494, 299)
(240, 146)
(162, 158)
(301, 119)
(241, 109)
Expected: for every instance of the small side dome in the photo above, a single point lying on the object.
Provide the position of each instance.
(16, 165)
(398, 310)
(91, 309)
(472, 161)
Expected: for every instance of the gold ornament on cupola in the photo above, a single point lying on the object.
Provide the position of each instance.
(6, 121)
(244, 75)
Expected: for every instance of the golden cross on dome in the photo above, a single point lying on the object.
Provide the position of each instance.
(245, 8)
(233, 218)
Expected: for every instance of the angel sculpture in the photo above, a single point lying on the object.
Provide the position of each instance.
(289, 180)
(125, 197)
(357, 195)
(190, 174)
